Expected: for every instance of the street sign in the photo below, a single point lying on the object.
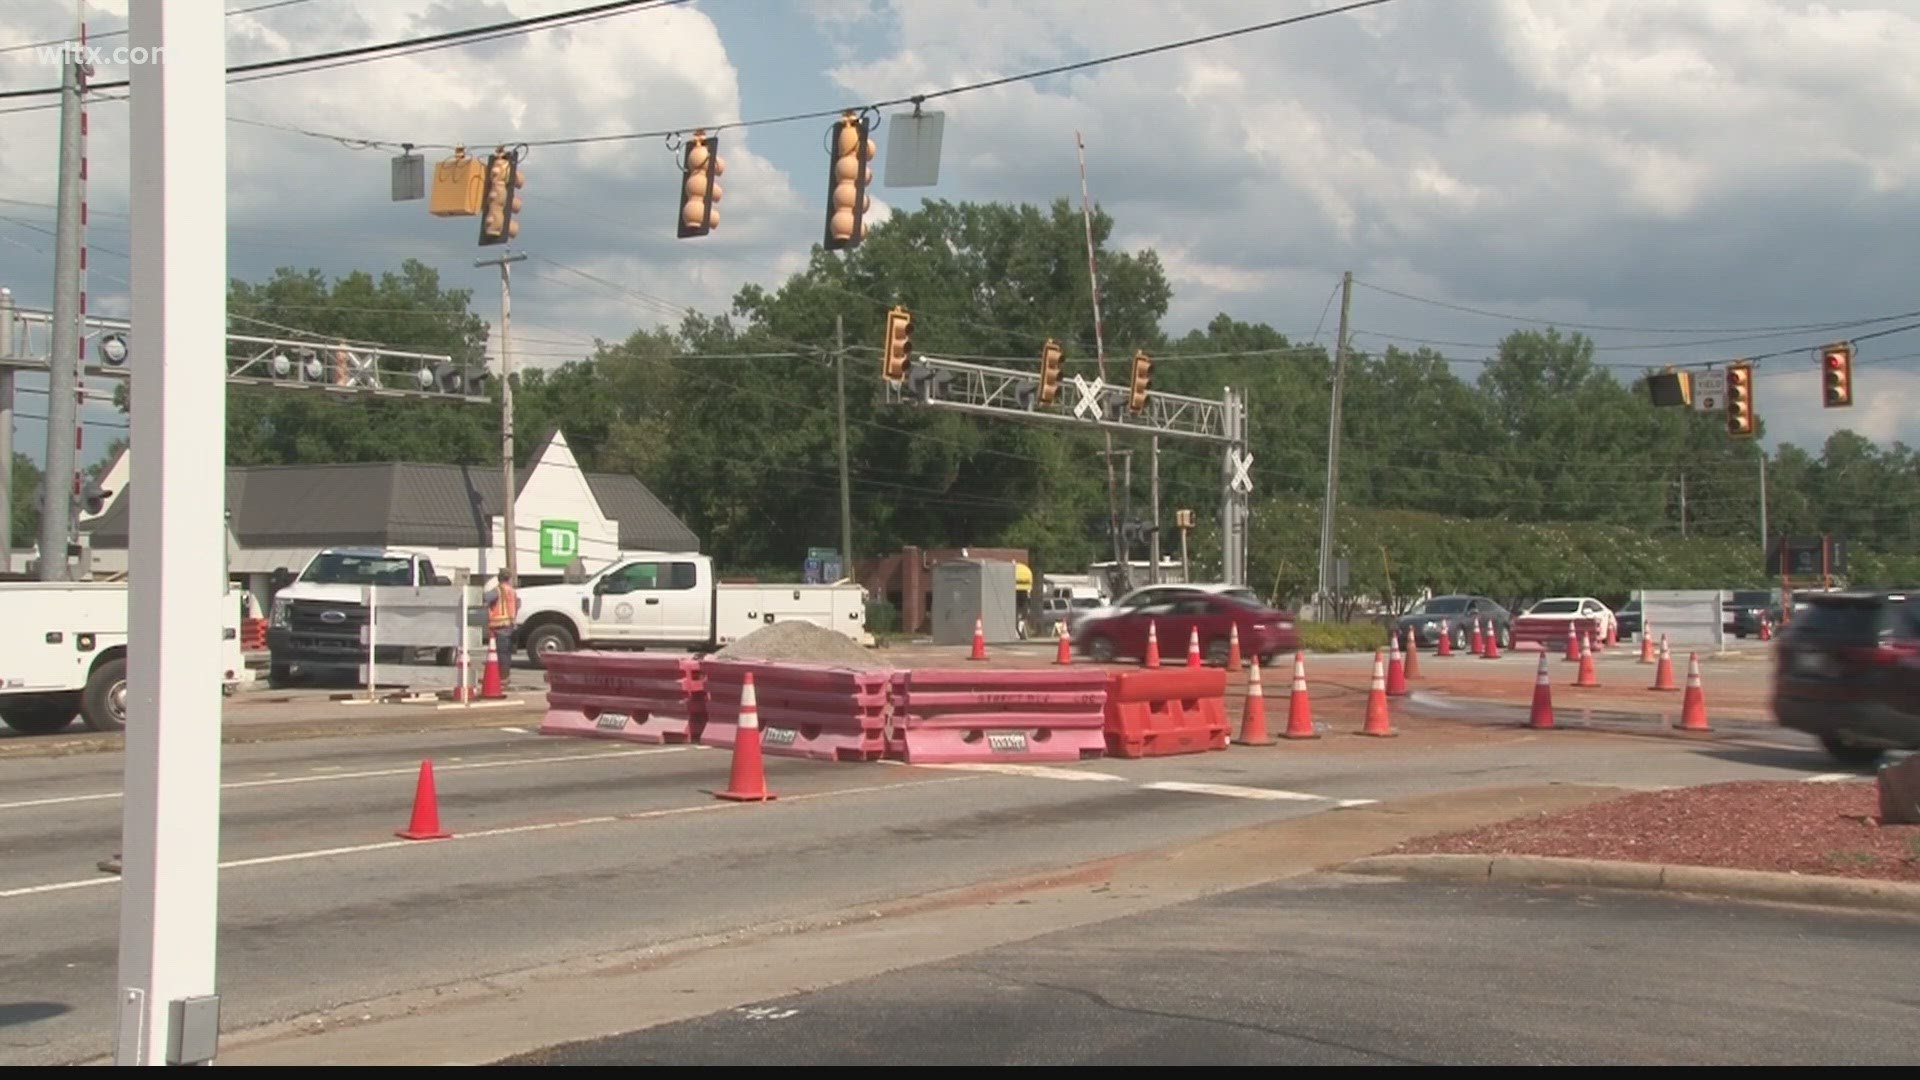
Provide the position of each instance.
(1710, 391)
(1804, 557)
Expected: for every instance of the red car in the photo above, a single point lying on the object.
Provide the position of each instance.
(1264, 632)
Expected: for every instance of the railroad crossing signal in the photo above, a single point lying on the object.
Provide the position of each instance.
(1740, 417)
(847, 179)
(1836, 375)
(1052, 361)
(700, 192)
(1140, 382)
(500, 199)
(899, 345)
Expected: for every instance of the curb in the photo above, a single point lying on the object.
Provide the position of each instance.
(1894, 896)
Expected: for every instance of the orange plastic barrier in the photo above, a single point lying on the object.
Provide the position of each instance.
(1166, 711)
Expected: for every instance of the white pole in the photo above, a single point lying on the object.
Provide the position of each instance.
(170, 828)
(373, 616)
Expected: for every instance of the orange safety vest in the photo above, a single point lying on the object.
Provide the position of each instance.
(505, 609)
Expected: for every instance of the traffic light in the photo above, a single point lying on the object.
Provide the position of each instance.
(700, 173)
(1740, 419)
(93, 497)
(847, 179)
(1670, 388)
(899, 345)
(457, 183)
(1141, 381)
(1051, 361)
(500, 198)
(1836, 375)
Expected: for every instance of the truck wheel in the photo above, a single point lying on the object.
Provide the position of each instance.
(1854, 757)
(103, 704)
(548, 638)
(37, 719)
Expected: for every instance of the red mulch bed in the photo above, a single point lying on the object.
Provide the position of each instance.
(1782, 826)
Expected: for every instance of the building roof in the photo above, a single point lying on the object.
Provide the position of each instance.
(399, 504)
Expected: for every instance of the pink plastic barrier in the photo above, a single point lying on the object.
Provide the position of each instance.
(962, 715)
(806, 710)
(638, 697)
(1551, 634)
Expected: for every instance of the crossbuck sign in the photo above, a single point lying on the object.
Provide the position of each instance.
(1089, 404)
(1242, 462)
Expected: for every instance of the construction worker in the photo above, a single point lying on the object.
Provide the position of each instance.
(503, 610)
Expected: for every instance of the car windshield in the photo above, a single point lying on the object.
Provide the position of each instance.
(338, 568)
(1085, 602)
(1746, 598)
(1632, 605)
(1555, 607)
(1245, 596)
(1441, 605)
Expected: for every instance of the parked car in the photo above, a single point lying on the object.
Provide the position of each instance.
(1148, 595)
(1847, 671)
(1743, 613)
(1629, 618)
(1548, 620)
(1454, 616)
(1055, 610)
(1264, 632)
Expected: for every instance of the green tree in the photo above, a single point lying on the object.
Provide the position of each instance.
(25, 494)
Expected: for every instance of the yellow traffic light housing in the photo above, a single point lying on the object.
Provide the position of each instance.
(1740, 415)
(700, 192)
(1140, 383)
(899, 345)
(1836, 375)
(1052, 361)
(457, 184)
(500, 198)
(848, 176)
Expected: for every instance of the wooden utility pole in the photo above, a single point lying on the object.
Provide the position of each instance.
(1333, 449)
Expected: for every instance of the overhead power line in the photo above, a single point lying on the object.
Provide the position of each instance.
(405, 46)
(102, 35)
(1566, 324)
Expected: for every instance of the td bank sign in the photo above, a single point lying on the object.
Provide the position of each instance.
(559, 542)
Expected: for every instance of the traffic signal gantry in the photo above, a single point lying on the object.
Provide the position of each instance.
(1836, 375)
(1740, 414)
(700, 171)
(848, 176)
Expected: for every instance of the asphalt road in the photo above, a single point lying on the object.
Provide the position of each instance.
(1324, 971)
(572, 849)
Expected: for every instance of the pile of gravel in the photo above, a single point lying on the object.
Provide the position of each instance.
(798, 640)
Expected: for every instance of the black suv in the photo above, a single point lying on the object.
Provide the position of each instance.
(1847, 671)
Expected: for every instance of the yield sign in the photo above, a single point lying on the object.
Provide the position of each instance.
(1241, 461)
(1088, 406)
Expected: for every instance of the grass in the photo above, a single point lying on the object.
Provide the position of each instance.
(1342, 637)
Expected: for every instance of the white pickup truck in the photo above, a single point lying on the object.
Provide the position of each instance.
(63, 651)
(671, 601)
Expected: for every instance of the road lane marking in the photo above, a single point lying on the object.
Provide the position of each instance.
(282, 781)
(505, 830)
(514, 730)
(1831, 778)
(1235, 791)
(1042, 772)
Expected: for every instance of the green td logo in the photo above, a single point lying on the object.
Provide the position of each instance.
(559, 542)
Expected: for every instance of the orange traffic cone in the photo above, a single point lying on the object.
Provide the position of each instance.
(1445, 647)
(1253, 722)
(490, 676)
(1193, 647)
(1299, 704)
(1646, 645)
(1663, 675)
(1412, 652)
(1587, 676)
(1573, 645)
(1378, 723)
(1152, 659)
(426, 808)
(1541, 716)
(1693, 707)
(1396, 672)
(1613, 633)
(1766, 629)
(1233, 647)
(747, 781)
(979, 640)
(1492, 641)
(1476, 644)
(1065, 653)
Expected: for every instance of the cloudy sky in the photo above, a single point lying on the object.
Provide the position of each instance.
(1685, 177)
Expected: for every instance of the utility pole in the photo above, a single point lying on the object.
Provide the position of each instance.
(846, 487)
(1763, 500)
(1153, 483)
(165, 1001)
(1333, 448)
(6, 431)
(63, 359)
(1125, 575)
(503, 261)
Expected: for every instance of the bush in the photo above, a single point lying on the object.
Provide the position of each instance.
(1342, 637)
(882, 617)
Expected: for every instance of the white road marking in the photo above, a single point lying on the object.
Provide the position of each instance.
(514, 730)
(1235, 791)
(328, 777)
(1041, 772)
(1831, 778)
(484, 834)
